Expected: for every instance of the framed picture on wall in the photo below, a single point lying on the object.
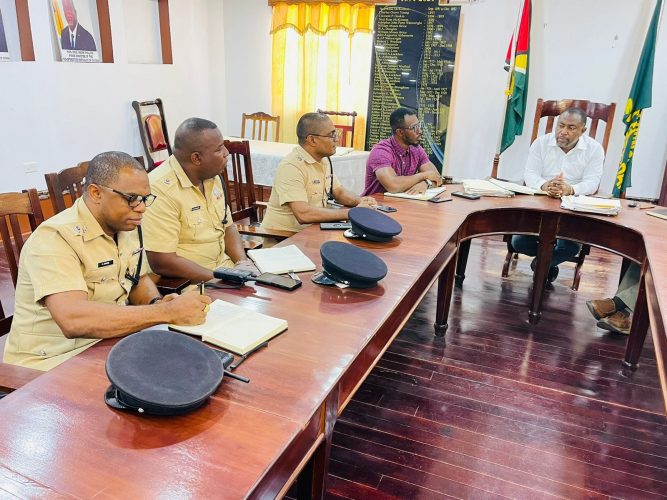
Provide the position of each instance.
(76, 27)
(4, 49)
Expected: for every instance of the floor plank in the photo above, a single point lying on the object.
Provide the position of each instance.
(505, 408)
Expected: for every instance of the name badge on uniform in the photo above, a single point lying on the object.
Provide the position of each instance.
(194, 209)
(105, 263)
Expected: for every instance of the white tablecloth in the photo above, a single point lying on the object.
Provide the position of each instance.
(349, 166)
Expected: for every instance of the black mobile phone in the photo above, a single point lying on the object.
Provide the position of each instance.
(336, 225)
(467, 196)
(439, 199)
(278, 281)
(172, 285)
(385, 208)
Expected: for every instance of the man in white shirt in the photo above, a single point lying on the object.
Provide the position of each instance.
(564, 162)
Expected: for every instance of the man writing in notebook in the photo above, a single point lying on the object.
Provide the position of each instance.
(190, 232)
(564, 162)
(305, 190)
(399, 164)
(82, 273)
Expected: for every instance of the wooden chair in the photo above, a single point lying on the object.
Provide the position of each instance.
(260, 126)
(343, 129)
(13, 205)
(68, 180)
(241, 190)
(12, 377)
(596, 112)
(153, 131)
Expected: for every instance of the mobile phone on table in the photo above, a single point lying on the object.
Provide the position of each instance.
(439, 199)
(279, 281)
(467, 196)
(385, 208)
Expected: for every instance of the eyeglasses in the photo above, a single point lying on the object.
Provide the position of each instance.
(415, 127)
(333, 135)
(133, 200)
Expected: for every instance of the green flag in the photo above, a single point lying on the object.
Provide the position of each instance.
(518, 91)
(639, 99)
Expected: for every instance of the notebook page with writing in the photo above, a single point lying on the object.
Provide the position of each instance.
(427, 195)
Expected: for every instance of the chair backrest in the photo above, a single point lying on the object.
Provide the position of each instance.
(13, 205)
(153, 131)
(68, 180)
(260, 126)
(595, 111)
(342, 128)
(240, 183)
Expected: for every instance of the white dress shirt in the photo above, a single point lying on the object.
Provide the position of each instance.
(581, 166)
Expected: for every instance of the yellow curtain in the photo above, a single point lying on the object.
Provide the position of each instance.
(321, 59)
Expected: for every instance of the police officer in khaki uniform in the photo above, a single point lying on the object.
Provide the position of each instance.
(189, 232)
(80, 268)
(304, 184)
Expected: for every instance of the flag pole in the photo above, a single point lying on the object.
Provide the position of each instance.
(515, 42)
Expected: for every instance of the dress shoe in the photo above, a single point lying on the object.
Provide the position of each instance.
(601, 308)
(551, 275)
(619, 322)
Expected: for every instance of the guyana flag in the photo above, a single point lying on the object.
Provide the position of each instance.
(518, 89)
(639, 99)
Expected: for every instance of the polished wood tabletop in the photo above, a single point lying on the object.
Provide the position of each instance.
(58, 438)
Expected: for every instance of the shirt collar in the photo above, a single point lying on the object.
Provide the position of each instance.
(91, 228)
(397, 147)
(182, 177)
(305, 155)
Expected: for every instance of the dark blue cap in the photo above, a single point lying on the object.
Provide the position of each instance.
(373, 225)
(349, 265)
(158, 372)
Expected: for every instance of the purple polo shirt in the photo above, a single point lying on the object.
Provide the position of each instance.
(389, 153)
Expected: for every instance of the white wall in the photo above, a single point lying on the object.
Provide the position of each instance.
(568, 59)
(58, 114)
(248, 60)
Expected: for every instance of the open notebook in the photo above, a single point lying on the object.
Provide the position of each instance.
(427, 195)
(235, 328)
(280, 260)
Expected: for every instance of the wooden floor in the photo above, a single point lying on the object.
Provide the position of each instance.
(506, 409)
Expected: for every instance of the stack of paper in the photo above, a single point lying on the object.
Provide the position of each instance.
(591, 205)
(427, 195)
(517, 188)
(482, 187)
(280, 260)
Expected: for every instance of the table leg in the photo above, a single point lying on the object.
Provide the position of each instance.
(638, 329)
(462, 262)
(312, 481)
(444, 298)
(545, 247)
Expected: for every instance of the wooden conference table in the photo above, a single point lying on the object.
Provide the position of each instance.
(58, 438)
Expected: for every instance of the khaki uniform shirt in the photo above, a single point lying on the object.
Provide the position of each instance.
(183, 220)
(68, 252)
(298, 178)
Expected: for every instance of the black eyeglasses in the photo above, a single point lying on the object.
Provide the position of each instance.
(333, 135)
(133, 200)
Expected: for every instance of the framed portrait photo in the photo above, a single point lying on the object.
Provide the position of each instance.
(77, 30)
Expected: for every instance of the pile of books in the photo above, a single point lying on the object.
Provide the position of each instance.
(591, 205)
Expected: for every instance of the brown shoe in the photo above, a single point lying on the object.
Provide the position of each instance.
(601, 308)
(619, 322)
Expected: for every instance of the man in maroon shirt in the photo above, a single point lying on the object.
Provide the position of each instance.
(399, 164)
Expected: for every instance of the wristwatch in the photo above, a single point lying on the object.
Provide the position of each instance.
(429, 183)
